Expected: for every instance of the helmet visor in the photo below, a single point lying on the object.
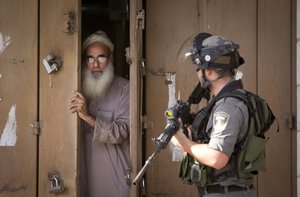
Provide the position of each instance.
(187, 49)
(192, 46)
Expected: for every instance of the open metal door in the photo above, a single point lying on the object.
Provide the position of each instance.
(18, 97)
(136, 60)
(58, 150)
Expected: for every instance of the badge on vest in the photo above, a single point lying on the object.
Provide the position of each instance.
(220, 120)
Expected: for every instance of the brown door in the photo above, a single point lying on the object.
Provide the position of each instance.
(263, 30)
(274, 79)
(18, 97)
(38, 136)
(58, 152)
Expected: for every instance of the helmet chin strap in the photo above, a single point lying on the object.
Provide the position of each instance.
(206, 82)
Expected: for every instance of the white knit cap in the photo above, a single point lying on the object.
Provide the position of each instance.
(98, 36)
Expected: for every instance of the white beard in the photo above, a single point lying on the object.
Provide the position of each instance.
(96, 87)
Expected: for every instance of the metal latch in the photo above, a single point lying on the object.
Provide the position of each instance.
(140, 19)
(52, 64)
(143, 188)
(56, 183)
(127, 177)
(144, 69)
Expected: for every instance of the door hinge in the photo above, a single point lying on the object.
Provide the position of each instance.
(69, 23)
(140, 19)
(143, 67)
(291, 122)
(144, 122)
(127, 55)
(35, 128)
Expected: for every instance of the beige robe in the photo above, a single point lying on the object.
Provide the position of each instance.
(105, 158)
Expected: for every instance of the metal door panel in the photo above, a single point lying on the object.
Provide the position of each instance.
(58, 151)
(275, 84)
(18, 97)
(169, 24)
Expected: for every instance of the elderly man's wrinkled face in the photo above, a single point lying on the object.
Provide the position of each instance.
(97, 57)
(99, 71)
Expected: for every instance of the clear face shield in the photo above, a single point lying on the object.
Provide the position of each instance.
(186, 50)
(191, 48)
(189, 51)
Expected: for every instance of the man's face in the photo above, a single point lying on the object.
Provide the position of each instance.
(97, 57)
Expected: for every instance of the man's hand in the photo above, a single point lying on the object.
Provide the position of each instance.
(79, 106)
(174, 138)
(179, 135)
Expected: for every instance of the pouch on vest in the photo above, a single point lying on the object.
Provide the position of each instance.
(251, 159)
(251, 155)
(192, 172)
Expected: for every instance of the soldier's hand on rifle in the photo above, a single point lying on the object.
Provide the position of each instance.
(179, 132)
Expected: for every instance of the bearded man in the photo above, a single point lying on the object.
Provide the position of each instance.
(103, 107)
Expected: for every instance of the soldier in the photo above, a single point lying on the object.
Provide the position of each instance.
(216, 59)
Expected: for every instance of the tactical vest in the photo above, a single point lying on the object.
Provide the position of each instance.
(249, 154)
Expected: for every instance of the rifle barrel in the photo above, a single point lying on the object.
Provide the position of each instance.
(143, 170)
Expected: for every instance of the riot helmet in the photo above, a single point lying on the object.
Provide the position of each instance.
(214, 52)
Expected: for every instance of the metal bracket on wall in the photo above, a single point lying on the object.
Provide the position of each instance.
(291, 122)
(143, 65)
(127, 55)
(69, 23)
(140, 19)
(35, 128)
(144, 122)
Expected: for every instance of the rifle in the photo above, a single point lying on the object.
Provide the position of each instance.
(179, 110)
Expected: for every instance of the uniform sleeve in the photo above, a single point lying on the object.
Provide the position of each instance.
(227, 125)
(115, 131)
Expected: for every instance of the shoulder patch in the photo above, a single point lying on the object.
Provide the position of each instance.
(220, 120)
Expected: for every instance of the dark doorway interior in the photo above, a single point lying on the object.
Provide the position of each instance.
(111, 16)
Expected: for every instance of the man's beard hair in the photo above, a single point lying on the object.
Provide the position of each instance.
(96, 87)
